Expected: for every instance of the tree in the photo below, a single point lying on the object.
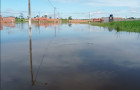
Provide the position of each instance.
(45, 16)
(50, 17)
(70, 18)
(131, 18)
(37, 16)
(21, 15)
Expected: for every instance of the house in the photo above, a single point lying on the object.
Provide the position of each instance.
(98, 19)
(106, 19)
(9, 20)
(118, 19)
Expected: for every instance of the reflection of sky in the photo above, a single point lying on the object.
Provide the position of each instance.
(76, 59)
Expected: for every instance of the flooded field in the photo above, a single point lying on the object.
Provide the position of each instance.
(68, 57)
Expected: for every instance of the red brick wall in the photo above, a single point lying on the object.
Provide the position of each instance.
(43, 19)
(97, 19)
(9, 19)
(78, 21)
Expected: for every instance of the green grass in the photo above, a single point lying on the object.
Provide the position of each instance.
(64, 20)
(20, 20)
(129, 26)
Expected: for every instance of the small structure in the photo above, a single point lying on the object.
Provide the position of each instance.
(111, 18)
(9, 19)
(106, 19)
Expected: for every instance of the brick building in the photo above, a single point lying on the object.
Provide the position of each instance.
(45, 19)
(79, 21)
(9, 20)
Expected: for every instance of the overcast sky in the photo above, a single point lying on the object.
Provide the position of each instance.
(76, 8)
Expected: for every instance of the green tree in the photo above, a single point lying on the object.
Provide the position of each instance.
(70, 18)
(45, 16)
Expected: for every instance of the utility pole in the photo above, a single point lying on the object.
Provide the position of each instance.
(39, 13)
(54, 11)
(89, 15)
(29, 12)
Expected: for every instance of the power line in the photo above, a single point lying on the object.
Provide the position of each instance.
(51, 3)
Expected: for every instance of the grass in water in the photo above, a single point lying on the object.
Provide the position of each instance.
(129, 26)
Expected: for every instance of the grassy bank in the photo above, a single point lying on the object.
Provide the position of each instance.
(64, 20)
(129, 26)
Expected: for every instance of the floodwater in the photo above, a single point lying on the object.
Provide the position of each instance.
(68, 57)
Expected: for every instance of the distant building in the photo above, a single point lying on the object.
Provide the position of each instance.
(78, 21)
(97, 19)
(107, 19)
(45, 19)
(111, 19)
(118, 19)
(9, 20)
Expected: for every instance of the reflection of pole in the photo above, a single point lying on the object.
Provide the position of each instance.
(29, 12)
(89, 27)
(55, 30)
(30, 41)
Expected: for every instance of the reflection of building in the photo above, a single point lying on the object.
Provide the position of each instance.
(46, 24)
(9, 24)
(9, 20)
(1, 26)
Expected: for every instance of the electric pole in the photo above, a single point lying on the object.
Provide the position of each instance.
(54, 11)
(29, 12)
(89, 15)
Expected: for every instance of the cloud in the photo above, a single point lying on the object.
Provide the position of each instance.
(104, 3)
(114, 3)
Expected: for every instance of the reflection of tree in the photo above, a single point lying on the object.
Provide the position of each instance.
(70, 25)
(110, 29)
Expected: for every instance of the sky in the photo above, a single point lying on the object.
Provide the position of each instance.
(78, 9)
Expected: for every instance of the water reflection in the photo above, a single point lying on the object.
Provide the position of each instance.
(9, 24)
(33, 80)
(30, 45)
(46, 24)
(1, 26)
(75, 59)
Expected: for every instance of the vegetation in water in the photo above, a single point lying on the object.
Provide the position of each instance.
(129, 26)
